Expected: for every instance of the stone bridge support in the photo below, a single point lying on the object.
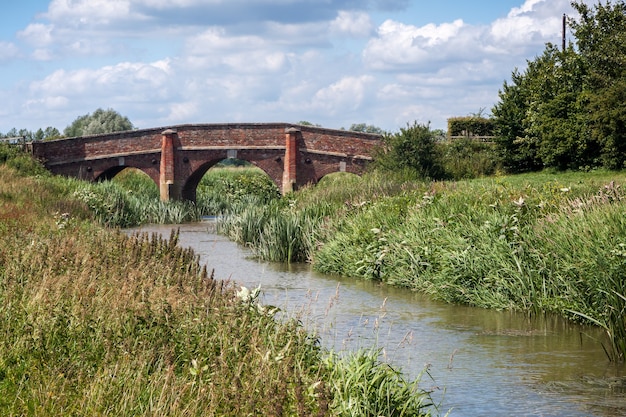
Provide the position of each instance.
(291, 152)
(167, 178)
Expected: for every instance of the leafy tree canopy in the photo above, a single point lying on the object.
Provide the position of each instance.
(413, 149)
(566, 110)
(363, 127)
(41, 134)
(100, 121)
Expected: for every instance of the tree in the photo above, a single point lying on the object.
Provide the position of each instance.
(362, 127)
(101, 121)
(566, 109)
(601, 41)
(413, 148)
(306, 123)
(48, 134)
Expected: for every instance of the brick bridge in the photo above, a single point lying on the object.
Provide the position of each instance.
(176, 158)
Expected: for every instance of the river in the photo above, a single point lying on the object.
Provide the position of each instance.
(479, 362)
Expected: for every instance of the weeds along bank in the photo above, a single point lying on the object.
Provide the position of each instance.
(94, 322)
(547, 242)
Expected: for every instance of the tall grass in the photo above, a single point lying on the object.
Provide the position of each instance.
(221, 188)
(469, 158)
(115, 206)
(506, 244)
(363, 386)
(94, 322)
(97, 323)
(275, 231)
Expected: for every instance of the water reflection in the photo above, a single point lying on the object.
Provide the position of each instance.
(490, 363)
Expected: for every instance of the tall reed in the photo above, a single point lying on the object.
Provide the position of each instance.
(363, 386)
(517, 243)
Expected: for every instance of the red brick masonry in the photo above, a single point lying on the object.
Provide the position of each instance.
(177, 157)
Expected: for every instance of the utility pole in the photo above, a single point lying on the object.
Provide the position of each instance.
(564, 27)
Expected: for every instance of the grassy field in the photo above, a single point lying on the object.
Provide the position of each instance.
(97, 323)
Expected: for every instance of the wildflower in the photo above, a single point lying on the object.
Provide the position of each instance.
(247, 296)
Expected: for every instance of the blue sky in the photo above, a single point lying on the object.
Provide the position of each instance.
(333, 62)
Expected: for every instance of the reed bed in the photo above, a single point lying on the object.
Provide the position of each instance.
(534, 246)
(103, 324)
(540, 243)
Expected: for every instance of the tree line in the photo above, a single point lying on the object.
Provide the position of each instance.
(100, 121)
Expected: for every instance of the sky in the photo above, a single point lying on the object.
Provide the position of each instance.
(334, 63)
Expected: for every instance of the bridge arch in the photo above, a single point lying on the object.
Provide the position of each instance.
(189, 189)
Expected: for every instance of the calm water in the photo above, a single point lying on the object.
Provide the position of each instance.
(481, 363)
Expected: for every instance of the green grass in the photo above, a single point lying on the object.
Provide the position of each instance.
(95, 322)
(363, 386)
(549, 242)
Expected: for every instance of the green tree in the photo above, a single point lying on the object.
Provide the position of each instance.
(517, 151)
(48, 134)
(100, 121)
(363, 127)
(566, 109)
(306, 123)
(556, 117)
(600, 32)
(413, 148)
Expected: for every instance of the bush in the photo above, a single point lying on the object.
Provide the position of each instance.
(467, 158)
(23, 163)
(413, 148)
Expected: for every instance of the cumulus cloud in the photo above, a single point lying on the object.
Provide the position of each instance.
(90, 13)
(47, 103)
(215, 49)
(122, 78)
(37, 34)
(345, 94)
(398, 45)
(533, 23)
(354, 24)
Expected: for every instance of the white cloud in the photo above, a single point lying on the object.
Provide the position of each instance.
(398, 45)
(181, 112)
(8, 51)
(533, 23)
(42, 55)
(345, 94)
(37, 34)
(87, 13)
(214, 49)
(354, 24)
(48, 103)
(121, 78)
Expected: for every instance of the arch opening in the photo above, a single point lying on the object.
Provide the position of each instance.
(133, 179)
(218, 184)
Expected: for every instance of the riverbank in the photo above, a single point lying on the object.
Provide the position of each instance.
(95, 322)
(546, 242)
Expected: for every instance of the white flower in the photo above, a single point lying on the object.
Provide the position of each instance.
(247, 296)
